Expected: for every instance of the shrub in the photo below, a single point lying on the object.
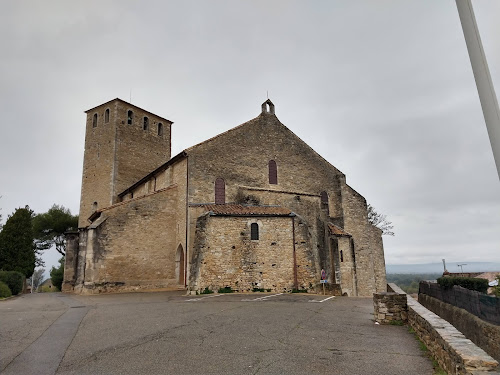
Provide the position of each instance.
(226, 289)
(257, 289)
(472, 283)
(206, 291)
(4, 290)
(14, 280)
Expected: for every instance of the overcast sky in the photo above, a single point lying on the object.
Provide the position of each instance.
(383, 90)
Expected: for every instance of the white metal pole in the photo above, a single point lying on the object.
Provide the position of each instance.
(482, 76)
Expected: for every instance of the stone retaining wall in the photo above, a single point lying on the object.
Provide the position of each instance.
(454, 352)
(481, 305)
(390, 307)
(483, 334)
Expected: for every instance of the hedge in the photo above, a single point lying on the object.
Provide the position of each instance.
(472, 283)
(4, 290)
(14, 280)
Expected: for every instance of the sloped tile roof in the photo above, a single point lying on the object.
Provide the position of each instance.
(240, 210)
(337, 231)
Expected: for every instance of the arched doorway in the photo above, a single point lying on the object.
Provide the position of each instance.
(179, 265)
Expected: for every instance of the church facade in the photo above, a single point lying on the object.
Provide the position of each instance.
(253, 208)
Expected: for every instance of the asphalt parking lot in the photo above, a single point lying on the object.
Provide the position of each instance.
(170, 333)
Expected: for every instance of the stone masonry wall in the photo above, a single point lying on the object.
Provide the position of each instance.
(226, 256)
(347, 267)
(117, 154)
(135, 244)
(97, 176)
(390, 307)
(138, 151)
(241, 156)
(368, 250)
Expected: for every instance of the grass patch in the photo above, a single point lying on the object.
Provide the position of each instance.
(396, 323)
(299, 290)
(258, 290)
(437, 370)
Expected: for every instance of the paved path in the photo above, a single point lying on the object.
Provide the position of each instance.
(168, 333)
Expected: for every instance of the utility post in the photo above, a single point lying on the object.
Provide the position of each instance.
(482, 76)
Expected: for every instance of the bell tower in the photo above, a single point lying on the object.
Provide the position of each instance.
(123, 143)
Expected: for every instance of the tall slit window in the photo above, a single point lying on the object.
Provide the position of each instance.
(145, 124)
(106, 116)
(273, 172)
(254, 231)
(220, 191)
(130, 117)
(94, 120)
(324, 199)
(160, 129)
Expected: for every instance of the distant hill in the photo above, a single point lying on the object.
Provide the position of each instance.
(438, 267)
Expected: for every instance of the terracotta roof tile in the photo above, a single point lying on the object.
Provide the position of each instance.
(337, 231)
(240, 210)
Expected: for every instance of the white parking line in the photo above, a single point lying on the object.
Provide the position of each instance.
(323, 300)
(197, 299)
(262, 298)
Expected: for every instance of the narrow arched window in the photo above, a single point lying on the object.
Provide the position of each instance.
(220, 191)
(94, 120)
(145, 123)
(130, 117)
(160, 129)
(273, 172)
(106, 116)
(324, 199)
(254, 231)
(341, 256)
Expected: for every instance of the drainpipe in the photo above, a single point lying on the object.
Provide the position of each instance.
(295, 282)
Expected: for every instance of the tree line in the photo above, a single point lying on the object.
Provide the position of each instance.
(24, 237)
(409, 282)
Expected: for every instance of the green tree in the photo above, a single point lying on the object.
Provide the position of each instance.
(17, 252)
(380, 221)
(57, 274)
(49, 228)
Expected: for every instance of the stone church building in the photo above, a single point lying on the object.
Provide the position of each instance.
(252, 208)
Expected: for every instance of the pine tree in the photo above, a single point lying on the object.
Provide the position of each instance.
(17, 252)
(50, 227)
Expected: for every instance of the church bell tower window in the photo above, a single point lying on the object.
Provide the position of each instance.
(254, 231)
(130, 117)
